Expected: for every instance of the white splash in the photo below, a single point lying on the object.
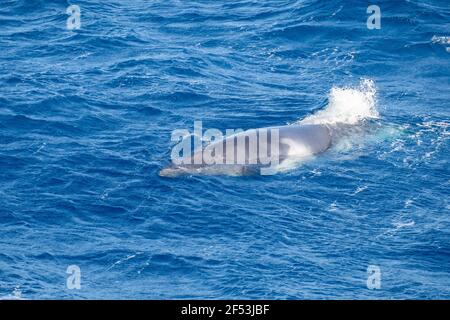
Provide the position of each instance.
(359, 189)
(440, 39)
(347, 105)
(16, 295)
(400, 225)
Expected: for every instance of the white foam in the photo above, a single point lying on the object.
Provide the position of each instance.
(16, 295)
(441, 40)
(347, 105)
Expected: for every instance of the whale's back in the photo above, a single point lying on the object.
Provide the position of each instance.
(304, 140)
(293, 142)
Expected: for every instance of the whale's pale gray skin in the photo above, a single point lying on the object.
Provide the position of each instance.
(292, 141)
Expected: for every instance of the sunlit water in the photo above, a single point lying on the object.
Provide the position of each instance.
(85, 123)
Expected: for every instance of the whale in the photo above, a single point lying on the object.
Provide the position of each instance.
(262, 150)
(349, 114)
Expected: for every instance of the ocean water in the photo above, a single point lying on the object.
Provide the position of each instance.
(86, 117)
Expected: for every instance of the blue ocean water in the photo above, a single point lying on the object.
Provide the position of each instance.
(85, 126)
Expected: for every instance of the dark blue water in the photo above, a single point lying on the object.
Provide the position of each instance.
(85, 122)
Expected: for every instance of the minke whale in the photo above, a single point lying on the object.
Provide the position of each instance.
(263, 151)
(270, 150)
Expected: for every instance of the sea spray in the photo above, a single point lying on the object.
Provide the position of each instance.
(347, 106)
